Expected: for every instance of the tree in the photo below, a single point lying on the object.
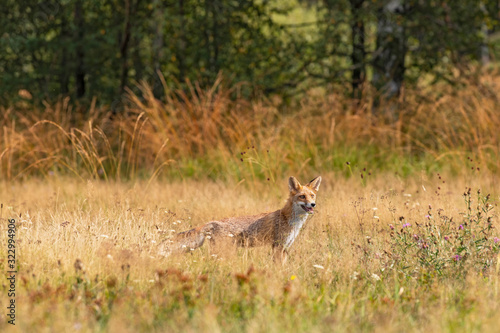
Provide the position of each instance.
(389, 56)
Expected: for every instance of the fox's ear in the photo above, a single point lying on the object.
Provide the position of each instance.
(293, 184)
(314, 184)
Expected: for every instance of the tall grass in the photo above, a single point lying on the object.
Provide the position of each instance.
(214, 133)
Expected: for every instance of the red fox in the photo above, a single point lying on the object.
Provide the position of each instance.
(279, 228)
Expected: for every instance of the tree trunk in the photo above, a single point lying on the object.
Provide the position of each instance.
(181, 48)
(80, 69)
(63, 72)
(158, 23)
(389, 56)
(124, 47)
(358, 49)
(484, 51)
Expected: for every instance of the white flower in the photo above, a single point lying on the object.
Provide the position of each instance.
(375, 277)
(319, 266)
(355, 275)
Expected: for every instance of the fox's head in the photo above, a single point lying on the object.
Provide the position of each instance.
(303, 197)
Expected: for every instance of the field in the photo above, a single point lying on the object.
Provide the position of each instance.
(405, 236)
(383, 255)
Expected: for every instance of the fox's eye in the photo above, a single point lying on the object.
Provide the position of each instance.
(302, 197)
(312, 195)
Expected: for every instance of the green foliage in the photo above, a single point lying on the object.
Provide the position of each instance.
(99, 48)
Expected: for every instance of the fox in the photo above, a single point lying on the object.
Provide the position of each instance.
(278, 229)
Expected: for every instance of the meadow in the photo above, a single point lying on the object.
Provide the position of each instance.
(389, 255)
(404, 238)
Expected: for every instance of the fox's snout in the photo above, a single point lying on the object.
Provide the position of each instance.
(308, 207)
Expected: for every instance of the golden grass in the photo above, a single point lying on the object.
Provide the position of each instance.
(87, 241)
(87, 259)
(202, 133)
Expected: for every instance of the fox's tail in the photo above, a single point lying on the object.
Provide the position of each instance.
(187, 240)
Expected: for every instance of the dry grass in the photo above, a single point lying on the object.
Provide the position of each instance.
(87, 240)
(87, 259)
(202, 134)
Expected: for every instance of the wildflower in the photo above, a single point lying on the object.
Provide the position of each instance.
(406, 225)
(457, 257)
(293, 277)
(415, 236)
(355, 275)
(461, 227)
(375, 277)
(391, 226)
(428, 216)
(496, 240)
(446, 238)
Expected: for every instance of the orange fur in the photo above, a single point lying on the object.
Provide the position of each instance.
(278, 228)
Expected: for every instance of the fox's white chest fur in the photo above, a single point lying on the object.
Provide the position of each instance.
(296, 224)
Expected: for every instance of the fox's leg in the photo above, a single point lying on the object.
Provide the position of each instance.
(196, 237)
(191, 239)
(279, 253)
